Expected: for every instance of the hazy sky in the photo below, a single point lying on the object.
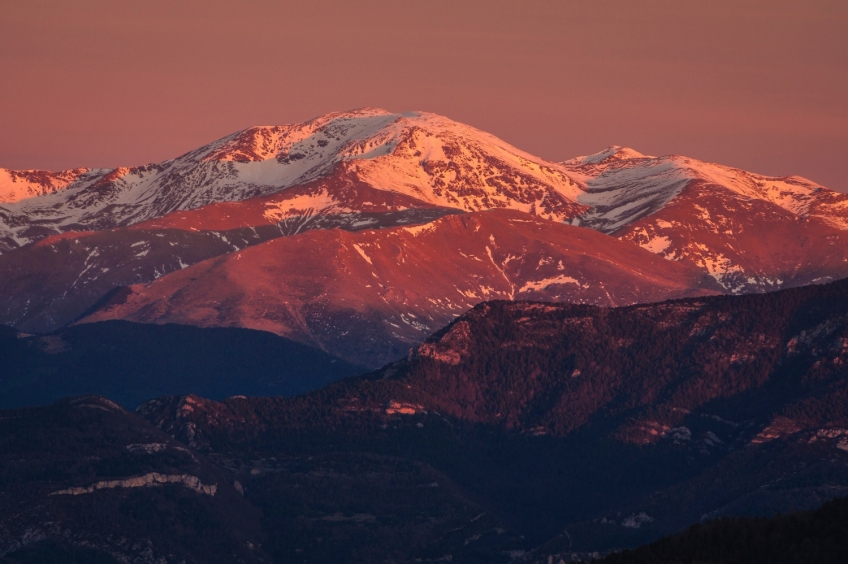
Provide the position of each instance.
(762, 85)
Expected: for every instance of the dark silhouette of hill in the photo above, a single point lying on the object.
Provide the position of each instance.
(816, 537)
(85, 480)
(130, 363)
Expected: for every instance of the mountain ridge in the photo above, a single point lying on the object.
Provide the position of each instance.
(585, 428)
(369, 296)
(371, 169)
(260, 161)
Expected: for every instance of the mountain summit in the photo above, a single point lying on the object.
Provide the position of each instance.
(424, 156)
(69, 240)
(750, 232)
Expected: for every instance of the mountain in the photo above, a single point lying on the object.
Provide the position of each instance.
(130, 363)
(16, 185)
(424, 156)
(368, 296)
(89, 231)
(750, 232)
(85, 481)
(69, 238)
(523, 431)
(50, 283)
(583, 429)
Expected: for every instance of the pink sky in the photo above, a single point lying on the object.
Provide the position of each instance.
(762, 85)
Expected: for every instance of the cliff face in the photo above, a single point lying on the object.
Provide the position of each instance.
(150, 479)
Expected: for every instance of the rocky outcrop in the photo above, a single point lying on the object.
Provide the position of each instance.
(147, 480)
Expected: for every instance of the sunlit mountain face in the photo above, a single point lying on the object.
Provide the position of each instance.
(407, 199)
(378, 337)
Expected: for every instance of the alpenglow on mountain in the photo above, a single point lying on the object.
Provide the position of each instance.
(97, 243)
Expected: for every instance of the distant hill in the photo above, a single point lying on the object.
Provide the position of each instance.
(369, 296)
(85, 481)
(130, 363)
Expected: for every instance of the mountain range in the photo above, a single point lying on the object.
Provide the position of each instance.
(378, 337)
(521, 432)
(370, 194)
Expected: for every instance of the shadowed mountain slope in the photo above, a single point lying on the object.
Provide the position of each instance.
(816, 537)
(84, 479)
(131, 363)
(521, 430)
(586, 428)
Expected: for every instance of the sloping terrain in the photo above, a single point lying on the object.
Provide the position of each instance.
(52, 282)
(423, 156)
(615, 426)
(521, 431)
(85, 481)
(814, 537)
(751, 232)
(369, 296)
(131, 363)
(88, 480)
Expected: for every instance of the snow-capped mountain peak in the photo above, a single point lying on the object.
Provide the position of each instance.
(611, 153)
(622, 186)
(422, 155)
(371, 170)
(16, 185)
(716, 217)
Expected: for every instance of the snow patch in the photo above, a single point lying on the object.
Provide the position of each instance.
(362, 253)
(535, 285)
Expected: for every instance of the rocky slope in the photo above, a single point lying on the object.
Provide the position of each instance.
(750, 232)
(84, 480)
(587, 429)
(369, 296)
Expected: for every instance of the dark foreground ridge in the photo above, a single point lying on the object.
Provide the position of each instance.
(520, 432)
(132, 362)
(86, 481)
(804, 538)
(583, 428)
